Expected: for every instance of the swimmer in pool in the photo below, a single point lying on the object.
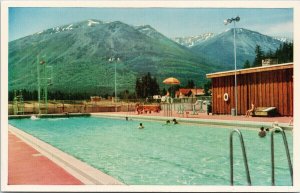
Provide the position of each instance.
(262, 132)
(141, 126)
(34, 117)
(175, 121)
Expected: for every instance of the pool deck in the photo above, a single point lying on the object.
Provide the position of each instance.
(27, 166)
(34, 162)
(203, 118)
(210, 116)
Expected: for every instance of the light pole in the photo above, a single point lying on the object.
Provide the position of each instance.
(112, 60)
(227, 21)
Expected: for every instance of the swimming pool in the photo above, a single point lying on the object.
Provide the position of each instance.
(161, 154)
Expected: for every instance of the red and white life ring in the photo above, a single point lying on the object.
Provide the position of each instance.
(226, 97)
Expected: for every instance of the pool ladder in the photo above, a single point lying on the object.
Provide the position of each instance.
(272, 155)
(286, 151)
(244, 156)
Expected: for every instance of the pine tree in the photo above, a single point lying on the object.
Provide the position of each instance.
(259, 55)
(190, 84)
(247, 64)
(270, 54)
(207, 86)
(163, 92)
(146, 86)
(138, 88)
(285, 52)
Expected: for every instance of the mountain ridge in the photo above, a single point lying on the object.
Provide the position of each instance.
(190, 41)
(79, 53)
(221, 45)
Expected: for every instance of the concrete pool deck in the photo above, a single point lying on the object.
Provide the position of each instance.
(45, 164)
(27, 166)
(203, 118)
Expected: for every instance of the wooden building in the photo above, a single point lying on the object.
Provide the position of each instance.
(267, 86)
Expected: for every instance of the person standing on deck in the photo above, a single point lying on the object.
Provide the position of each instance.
(250, 111)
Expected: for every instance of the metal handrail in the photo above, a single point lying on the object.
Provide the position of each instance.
(286, 151)
(167, 109)
(244, 156)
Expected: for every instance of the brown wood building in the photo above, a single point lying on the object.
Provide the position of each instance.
(267, 86)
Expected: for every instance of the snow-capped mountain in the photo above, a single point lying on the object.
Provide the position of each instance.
(149, 31)
(69, 27)
(219, 49)
(79, 52)
(283, 39)
(191, 41)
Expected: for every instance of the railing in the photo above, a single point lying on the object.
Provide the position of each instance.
(286, 151)
(244, 156)
(108, 105)
(168, 108)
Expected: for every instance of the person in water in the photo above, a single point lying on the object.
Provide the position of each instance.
(276, 127)
(167, 122)
(141, 126)
(34, 117)
(262, 132)
(175, 121)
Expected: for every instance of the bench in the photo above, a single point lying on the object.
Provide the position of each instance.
(147, 108)
(154, 108)
(265, 111)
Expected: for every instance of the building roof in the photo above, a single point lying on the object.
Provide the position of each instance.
(188, 91)
(197, 91)
(185, 91)
(251, 70)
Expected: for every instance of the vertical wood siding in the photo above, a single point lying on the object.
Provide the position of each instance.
(264, 89)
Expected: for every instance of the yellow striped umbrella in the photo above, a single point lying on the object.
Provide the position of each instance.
(172, 81)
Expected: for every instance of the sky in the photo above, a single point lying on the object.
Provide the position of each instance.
(172, 22)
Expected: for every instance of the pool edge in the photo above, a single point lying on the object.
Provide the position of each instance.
(58, 115)
(87, 174)
(235, 123)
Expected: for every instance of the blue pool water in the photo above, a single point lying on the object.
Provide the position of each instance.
(162, 155)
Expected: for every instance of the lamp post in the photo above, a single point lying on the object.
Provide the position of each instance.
(112, 60)
(227, 21)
